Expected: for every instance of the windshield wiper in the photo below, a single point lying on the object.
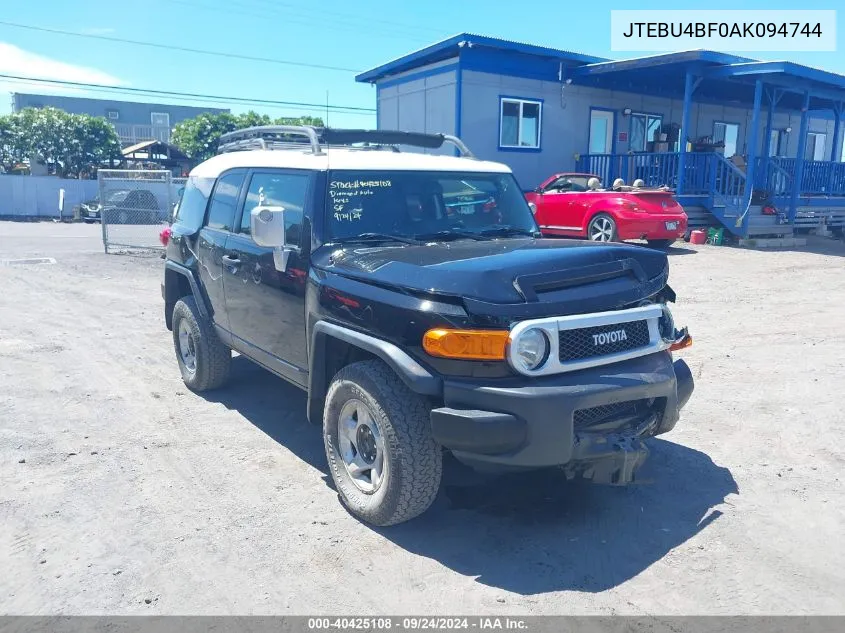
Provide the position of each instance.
(451, 234)
(506, 230)
(376, 237)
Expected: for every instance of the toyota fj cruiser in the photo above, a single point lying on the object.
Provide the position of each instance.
(412, 297)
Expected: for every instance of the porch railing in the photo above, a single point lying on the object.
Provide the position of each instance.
(770, 176)
(130, 134)
(655, 169)
(820, 177)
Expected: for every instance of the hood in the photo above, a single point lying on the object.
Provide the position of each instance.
(514, 272)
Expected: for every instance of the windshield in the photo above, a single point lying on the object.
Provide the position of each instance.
(418, 204)
(116, 196)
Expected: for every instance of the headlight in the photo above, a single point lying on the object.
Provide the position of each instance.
(533, 207)
(531, 348)
(666, 325)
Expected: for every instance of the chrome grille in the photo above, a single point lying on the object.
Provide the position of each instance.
(581, 343)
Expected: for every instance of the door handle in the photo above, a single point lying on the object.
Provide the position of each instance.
(231, 261)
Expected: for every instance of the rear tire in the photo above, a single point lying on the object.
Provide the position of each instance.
(602, 228)
(384, 462)
(661, 244)
(204, 361)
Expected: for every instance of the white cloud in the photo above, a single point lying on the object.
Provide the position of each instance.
(16, 61)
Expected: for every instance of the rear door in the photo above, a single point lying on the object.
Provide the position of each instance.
(266, 307)
(211, 244)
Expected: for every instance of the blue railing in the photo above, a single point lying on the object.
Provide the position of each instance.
(655, 169)
(820, 177)
(770, 176)
(727, 186)
(706, 174)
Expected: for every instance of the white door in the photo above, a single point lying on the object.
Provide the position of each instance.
(601, 132)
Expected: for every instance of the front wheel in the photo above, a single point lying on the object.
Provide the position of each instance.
(203, 359)
(602, 228)
(384, 462)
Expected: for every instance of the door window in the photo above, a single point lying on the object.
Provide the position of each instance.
(224, 200)
(726, 133)
(777, 143)
(601, 132)
(288, 191)
(815, 146)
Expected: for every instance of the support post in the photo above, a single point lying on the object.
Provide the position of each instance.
(834, 155)
(752, 148)
(684, 135)
(799, 159)
(767, 140)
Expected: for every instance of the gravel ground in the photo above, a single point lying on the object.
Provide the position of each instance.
(124, 493)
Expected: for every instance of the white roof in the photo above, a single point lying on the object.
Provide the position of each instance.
(343, 158)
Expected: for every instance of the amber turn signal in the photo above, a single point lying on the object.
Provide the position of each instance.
(466, 344)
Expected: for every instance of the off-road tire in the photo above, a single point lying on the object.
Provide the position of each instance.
(599, 217)
(213, 359)
(661, 244)
(413, 460)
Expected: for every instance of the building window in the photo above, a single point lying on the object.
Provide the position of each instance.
(113, 115)
(520, 121)
(727, 133)
(644, 130)
(815, 146)
(160, 119)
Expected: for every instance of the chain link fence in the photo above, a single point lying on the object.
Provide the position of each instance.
(135, 205)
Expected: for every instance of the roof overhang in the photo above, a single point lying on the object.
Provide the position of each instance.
(451, 46)
(723, 77)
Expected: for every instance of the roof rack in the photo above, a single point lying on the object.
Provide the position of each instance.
(297, 136)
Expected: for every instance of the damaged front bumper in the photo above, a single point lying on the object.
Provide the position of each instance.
(592, 423)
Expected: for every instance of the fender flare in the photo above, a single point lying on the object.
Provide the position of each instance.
(415, 376)
(202, 300)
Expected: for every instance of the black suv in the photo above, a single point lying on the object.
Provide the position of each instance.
(412, 297)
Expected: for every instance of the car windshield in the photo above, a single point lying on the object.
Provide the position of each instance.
(424, 205)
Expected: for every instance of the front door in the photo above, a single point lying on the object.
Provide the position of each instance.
(601, 140)
(266, 307)
(211, 245)
(554, 205)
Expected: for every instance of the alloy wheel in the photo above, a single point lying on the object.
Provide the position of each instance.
(361, 445)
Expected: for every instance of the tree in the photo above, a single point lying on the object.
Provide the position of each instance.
(199, 137)
(13, 143)
(74, 144)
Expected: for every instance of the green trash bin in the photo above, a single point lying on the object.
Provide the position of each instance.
(715, 236)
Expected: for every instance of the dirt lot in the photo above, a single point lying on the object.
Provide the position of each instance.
(124, 493)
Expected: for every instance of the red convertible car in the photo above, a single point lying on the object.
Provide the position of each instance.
(575, 205)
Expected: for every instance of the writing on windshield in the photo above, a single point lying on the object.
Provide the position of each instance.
(346, 197)
(415, 203)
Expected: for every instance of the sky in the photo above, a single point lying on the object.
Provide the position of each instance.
(349, 36)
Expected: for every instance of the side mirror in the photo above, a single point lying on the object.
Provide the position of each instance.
(267, 225)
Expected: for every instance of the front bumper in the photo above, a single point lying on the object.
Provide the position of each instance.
(522, 423)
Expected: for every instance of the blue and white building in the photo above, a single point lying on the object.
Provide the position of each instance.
(716, 127)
